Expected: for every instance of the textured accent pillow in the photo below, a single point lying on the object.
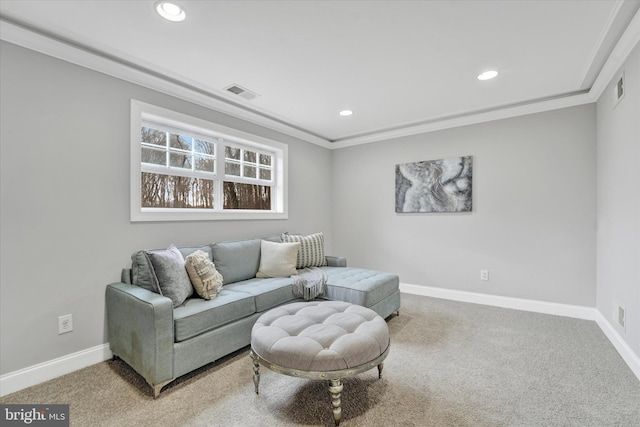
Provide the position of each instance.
(206, 280)
(311, 252)
(170, 275)
(278, 259)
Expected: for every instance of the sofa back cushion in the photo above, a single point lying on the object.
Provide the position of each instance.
(186, 251)
(142, 272)
(238, 260)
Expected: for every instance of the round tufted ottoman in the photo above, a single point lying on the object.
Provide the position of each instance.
(320, 340)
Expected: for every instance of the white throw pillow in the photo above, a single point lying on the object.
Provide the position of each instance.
(278, 259)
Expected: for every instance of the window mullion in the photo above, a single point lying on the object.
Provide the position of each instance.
(166, 150)
(218, 198)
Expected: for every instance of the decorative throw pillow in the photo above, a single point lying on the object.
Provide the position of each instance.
(278, 259)
(205, 279)
(170, 274)
(311, 252)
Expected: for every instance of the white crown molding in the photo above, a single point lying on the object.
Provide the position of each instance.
(620, 53)
(92, 60)
(36, 374)
(470, 119)
(618, 56)
(603, 35)
(33, 40)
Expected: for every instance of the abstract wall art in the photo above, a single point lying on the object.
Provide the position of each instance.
(442, 185)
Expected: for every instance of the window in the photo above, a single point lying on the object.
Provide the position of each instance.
(183, 168)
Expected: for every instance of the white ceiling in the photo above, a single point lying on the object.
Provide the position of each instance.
(396, 64)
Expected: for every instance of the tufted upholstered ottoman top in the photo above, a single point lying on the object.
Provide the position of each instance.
(320, 336)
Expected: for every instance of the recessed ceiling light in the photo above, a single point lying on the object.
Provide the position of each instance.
(488, 75)
(170, 11)
(346, 113)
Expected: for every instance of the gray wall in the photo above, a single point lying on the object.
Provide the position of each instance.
(534, 209)
(65, 200)
(65, 229)
(618, 280)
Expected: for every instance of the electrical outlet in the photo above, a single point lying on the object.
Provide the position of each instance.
(65, 324)
(484, 275)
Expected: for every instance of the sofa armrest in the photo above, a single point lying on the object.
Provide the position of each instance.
(336, 261)
(140, 330)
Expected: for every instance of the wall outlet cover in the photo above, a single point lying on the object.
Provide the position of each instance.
(65, 324)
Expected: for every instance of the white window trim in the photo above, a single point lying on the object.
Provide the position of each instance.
(143, 112)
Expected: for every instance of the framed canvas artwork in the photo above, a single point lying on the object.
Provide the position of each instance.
(442, 185)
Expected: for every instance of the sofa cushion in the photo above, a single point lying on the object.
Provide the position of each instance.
(197, 315)
(277, 259)
(206, 280)
(170, 274)
(359, 286)
(311, 253)
(268, 293)
(141, 269)
(142, 272)
(188, 250)
(238, 260)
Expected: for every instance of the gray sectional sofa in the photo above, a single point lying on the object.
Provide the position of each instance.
(163, 341)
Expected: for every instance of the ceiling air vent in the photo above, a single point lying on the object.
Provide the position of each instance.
(242, 92)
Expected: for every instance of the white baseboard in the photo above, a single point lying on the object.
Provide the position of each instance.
(576, 311)
(18, 380)
(27, 377)
(632, 359)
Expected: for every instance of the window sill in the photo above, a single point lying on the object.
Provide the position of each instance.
(154, 215)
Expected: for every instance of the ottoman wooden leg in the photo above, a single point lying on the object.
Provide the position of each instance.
(256, 372)
(335, 388)
(380, 366)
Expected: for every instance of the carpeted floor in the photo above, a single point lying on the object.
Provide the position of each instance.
(450, 364)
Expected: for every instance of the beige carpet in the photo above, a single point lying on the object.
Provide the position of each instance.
(451, 364)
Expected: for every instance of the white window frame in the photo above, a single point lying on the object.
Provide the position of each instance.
(143, 114)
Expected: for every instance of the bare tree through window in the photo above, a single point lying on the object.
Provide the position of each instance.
(170, 191)
(246, 196)
(179, 171)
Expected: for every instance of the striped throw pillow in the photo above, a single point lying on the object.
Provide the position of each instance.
(311, 253)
